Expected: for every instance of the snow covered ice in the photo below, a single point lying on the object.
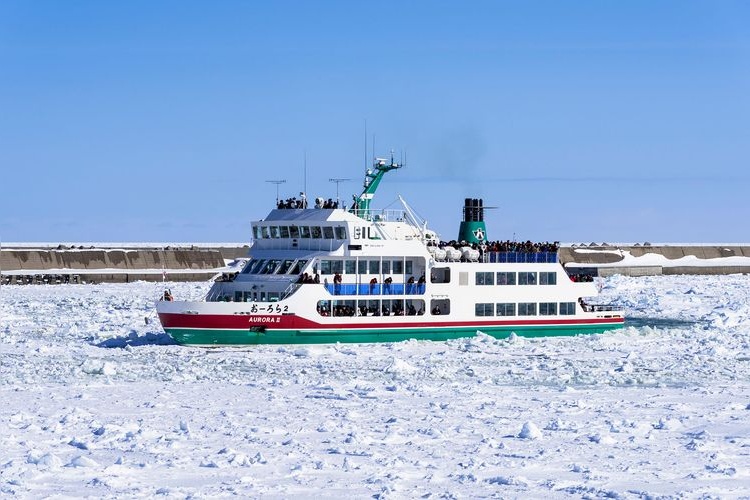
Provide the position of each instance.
(99, 402)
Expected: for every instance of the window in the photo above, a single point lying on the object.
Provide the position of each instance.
(304, 231)
(440, 307)
(325, 267)
(256, 232)
(386, 267)
(527, 309)
(440, 275)
(483, 310)
(548, 278)
(337, 266)
(340, 232)
(315, 231)
(548, 308)
(275, 231)
(525, 278)
(294, 231)
(506, 278)
(284, 267)
(249, 266)
(483, 278)
(362, 267)
(328, 232)
(506, 309)
(374, 267)
(298, 267)
(271, 266)
(567, 308)
(350, 267)
(265, 232)
(258, 266)
(398, 267)
(284, 231)
(408, 269)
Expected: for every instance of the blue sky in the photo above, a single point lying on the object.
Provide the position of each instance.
(581, 121)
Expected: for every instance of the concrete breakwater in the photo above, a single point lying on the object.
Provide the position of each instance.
(87, 264)
(646, 259)
(78, 264)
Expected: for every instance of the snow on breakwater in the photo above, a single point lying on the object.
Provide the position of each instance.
(101, 403)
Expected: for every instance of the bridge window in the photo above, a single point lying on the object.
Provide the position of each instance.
(315, 231)
(298, 267)
(328, 232)
(506, 279)
(547, 278)
(527, 309)
(548, 308)
(506, 309)
(484, 309)
(294, 231)
(284, 267)
(340, 232)
(275, 231)
(256, 232)
(271, 266)
(483, 278)
(525, 278)
(284, 231)
(265, 233)
(304, 231)
(258, 266)
(567, 308)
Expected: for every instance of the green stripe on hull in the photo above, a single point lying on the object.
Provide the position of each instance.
(209, 337)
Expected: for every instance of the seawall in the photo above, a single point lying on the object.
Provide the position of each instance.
(88, 264)
(646, 260)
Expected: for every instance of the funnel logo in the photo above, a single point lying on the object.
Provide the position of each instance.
(479, 234)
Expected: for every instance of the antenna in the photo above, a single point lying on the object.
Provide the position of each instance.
(304, 183)
(277, 182)
(337, 181)
(367, 163)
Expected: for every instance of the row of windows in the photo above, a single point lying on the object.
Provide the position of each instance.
(314, 232)
(385, 307)
(512, 278)
(526, 309)
(350, 266)
(274, 266)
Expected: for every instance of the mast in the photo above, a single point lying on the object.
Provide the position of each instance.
(361, 206)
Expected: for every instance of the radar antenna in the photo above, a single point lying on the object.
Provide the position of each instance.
(277, 182)
(337, 181)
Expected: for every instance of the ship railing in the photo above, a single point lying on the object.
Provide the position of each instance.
(376, 289)
(384, 215)
(521, 257)
(293, 287)
(601, 307)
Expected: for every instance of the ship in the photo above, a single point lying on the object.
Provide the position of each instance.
(327, 274)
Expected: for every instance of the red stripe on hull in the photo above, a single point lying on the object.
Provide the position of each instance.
(287, 322)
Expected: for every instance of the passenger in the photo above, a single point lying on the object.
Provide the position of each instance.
(316, 279)
(168, 295)
(337, 284)
(436, 311)
(387, 287)
(373, 282)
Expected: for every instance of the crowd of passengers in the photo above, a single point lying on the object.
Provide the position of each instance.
(395, 310)
(581, 278)
(307, 279)
(301, 202)
(505, 246)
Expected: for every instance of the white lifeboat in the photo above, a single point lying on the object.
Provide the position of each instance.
(469, 254)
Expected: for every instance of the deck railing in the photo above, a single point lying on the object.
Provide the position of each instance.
(521, 257)
(376, 289)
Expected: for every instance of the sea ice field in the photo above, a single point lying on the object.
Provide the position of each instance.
(97, 401)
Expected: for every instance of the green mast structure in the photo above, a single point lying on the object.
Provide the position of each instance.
(361, 206)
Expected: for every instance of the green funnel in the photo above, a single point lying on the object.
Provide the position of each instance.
(472, 229)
